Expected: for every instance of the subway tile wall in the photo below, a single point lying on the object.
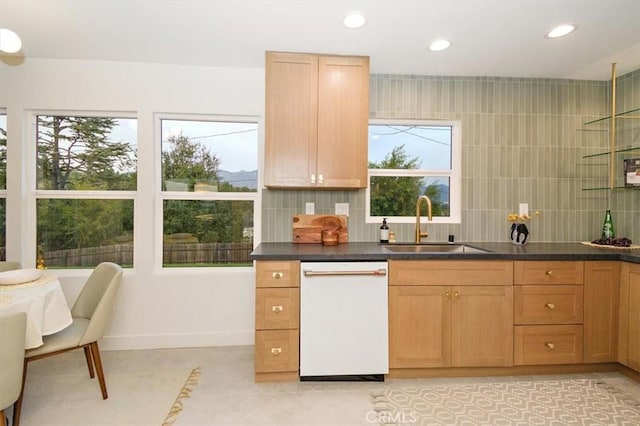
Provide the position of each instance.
(521, 142)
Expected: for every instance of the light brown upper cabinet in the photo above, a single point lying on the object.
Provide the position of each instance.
(317, 109)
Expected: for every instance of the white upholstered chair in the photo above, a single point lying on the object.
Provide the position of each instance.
(90, 313)
(12, 332)
(9, 266)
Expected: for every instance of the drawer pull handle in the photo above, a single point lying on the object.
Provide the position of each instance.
(550, 345)
(276, 351)
(277, 275)
(277, 309)
(550, 306)
(548, 272)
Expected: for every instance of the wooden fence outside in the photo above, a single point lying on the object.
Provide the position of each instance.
(173, 254)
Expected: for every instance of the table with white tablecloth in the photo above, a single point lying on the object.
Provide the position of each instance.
(44, 303)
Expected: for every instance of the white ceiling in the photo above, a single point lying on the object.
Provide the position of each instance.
(489, 37)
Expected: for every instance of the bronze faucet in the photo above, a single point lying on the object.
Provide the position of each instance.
(419, 234)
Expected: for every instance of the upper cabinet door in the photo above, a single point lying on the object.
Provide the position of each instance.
(343, 117)
(316, 121)
(291, 119)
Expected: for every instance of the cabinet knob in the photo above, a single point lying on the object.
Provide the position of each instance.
(550, 345)
(276, 351)
(548, 272)
(313, 179)
(277, 309)
(277, 275)
(456, 295)
(447, 295)
(320, 179)
(550, 306)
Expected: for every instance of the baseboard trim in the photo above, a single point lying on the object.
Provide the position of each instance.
(402, 373)
(163, 341)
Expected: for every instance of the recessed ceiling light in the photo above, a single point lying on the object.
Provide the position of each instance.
(9, 41)
(354, 20)
(560, 31)
(440, 44)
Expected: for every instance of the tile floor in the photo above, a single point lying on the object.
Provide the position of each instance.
(143, 386)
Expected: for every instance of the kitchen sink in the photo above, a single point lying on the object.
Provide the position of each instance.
(433, 248)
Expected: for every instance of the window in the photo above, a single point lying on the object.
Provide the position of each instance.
(209, 190)
(85, 189)
(408, 159)
(3, 185)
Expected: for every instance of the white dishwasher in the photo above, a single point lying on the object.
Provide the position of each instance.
(344, 321)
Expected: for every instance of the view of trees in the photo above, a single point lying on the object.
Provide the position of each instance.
(79, 153)
(76, 153)
(397, 195)
(220, 221)
(3, 158)
(3, 183)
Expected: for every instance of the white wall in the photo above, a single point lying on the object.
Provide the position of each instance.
(155, 308)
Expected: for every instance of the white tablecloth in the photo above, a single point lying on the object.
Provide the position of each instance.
(45, 305)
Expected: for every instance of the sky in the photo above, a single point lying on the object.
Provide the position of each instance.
(235, 144)
(431, 145)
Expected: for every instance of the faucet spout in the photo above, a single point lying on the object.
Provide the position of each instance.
(419, 234)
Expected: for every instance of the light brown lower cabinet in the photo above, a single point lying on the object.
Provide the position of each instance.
(277, 335)
(451, 313)
(601, 301)
(629, 332)
(450, 325)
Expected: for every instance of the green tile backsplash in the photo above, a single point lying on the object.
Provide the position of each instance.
(520, 143)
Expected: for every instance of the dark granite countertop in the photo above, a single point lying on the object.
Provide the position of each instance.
(373, 251)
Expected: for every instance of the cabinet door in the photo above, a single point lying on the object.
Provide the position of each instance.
(343, 115)
(419, 326)
(482, 326)
(291, 132)
(630, 316)
(601, 296)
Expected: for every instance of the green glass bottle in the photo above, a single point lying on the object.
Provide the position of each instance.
(608, 231)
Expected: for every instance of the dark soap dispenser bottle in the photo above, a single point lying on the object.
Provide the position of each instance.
(384, 231)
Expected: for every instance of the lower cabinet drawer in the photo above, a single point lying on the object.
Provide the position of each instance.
(277, 351)
(548, 304)
(548, 344)
(277, 308)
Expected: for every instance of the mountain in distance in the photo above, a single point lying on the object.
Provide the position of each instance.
(240, 178)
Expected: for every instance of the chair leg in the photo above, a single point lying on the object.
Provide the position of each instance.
(95, 352)
(87, 355)
(17, 407)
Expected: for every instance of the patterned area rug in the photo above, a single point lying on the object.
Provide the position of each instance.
(557, 402)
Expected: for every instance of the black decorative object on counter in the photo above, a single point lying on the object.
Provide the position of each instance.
(518, 233)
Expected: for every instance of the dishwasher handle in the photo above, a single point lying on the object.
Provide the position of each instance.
(312, 273)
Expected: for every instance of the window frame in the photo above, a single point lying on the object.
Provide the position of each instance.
(201, 196)
(454, 174)
(68, 194)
